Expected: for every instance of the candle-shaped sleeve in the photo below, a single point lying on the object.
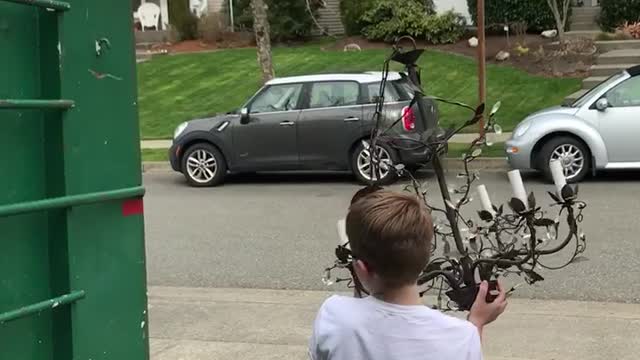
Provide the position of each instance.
(518, 186)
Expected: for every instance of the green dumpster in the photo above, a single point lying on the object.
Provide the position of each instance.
(72, 260)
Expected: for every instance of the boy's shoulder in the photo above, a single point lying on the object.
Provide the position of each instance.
(346, 310)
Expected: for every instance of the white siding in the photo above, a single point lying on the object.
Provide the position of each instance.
(215, 5)
(459, 6)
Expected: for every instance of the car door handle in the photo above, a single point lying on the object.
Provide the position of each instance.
(287, 123)
(351, 119)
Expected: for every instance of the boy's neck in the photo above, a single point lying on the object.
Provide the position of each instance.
(406, 295)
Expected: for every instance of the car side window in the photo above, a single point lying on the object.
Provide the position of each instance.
(627, 93)
(390, 93)
(277, 98)
(330, 94)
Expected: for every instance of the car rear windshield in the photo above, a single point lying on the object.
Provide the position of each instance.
(396, 90)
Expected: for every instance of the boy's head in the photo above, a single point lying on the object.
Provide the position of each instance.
(390, 236)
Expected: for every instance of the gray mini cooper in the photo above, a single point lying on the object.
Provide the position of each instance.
(316, 122)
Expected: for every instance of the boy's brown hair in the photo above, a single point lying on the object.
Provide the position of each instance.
(391, 232)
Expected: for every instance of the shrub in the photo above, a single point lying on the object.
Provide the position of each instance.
(351, 12)
(444, 29)
(288, 19)
(185, 23)
(536, 13)
(389, 19)
(211, 27)
(630, 29)
(615, 13)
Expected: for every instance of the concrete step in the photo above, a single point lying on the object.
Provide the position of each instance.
(585, 10)
(623, 56)
(584, 17)
(608, 70)
(606, 46)
(573, 97)
(592, 81)
(584, 26)
(589, 34)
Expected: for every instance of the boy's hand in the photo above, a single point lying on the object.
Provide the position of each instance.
(482, 312)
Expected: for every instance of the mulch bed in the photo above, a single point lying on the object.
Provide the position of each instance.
(538, 60)
(570, 65)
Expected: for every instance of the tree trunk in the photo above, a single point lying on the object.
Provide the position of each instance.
(560, 14)
(263, 40)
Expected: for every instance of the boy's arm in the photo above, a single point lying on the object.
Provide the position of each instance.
(482, 312)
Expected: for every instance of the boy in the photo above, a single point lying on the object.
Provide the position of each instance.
(390, 236)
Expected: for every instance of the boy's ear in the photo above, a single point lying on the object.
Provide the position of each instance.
(363, 268)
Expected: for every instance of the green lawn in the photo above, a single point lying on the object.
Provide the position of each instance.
(155, 155)
(173, 89)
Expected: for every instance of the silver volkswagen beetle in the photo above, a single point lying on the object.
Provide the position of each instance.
(600, 130)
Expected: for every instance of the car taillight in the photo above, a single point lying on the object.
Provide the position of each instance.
(408, 119)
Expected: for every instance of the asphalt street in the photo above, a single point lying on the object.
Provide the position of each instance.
(277, 231)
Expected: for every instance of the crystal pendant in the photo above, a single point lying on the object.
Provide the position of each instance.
(497, 129)
(326, 278)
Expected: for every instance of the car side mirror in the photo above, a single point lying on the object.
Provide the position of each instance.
(602, 104)
(244, 116)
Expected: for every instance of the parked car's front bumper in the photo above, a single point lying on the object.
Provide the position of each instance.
(519, 153)
(174, 157)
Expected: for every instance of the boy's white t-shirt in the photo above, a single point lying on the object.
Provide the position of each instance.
(349, 328)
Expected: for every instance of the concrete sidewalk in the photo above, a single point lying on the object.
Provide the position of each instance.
(459, 138)
(247, 324)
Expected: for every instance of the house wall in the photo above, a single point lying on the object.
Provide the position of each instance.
(216, 5)
(459, 6)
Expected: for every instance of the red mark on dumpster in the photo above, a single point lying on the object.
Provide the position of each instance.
(132, 207)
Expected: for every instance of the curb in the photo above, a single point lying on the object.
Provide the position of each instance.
(155, 165)
(491, 164)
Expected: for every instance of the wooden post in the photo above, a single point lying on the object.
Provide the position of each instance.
(482, 63)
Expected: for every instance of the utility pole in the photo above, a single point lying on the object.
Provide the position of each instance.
(482, 62)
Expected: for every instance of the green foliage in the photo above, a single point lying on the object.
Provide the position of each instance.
(536, 13)
(615, 12)
(444, 29)
(351, 12)
(389, 19)
(183, 20)
(288, 19)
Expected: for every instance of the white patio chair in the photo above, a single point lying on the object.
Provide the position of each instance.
(149, 14)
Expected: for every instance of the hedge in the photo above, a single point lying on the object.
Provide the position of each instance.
(536, 13)
(615, 12)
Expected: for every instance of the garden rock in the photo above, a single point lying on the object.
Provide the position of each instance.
(473, 42)
(352, 47)
(549, 34)
(502, 56)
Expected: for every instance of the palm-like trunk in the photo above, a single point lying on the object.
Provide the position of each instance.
(263, 40)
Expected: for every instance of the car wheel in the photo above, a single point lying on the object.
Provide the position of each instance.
(361, 164)
(203, 165)
(574, 155)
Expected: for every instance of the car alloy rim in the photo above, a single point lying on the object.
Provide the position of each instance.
(383, 159)
(571, 158)
(201, 166)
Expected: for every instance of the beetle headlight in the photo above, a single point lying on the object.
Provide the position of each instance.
(521, 129)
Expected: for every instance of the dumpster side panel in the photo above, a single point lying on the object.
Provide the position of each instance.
(24, 258)
(101, 153)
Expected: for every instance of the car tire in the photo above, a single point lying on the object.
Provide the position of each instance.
(203, 165)
(574, 154)
(359, 168)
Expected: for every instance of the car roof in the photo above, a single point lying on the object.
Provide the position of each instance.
(363, 78)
